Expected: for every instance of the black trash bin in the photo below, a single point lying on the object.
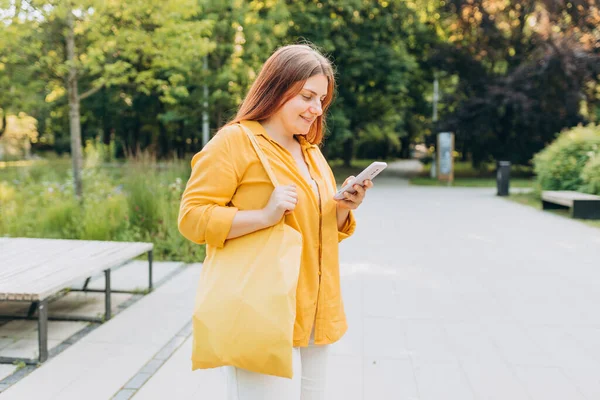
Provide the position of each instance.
(503, 178)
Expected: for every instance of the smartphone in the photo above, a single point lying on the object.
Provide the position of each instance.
(367, 174)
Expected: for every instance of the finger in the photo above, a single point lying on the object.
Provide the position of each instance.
(351, 197)
(289, 205)
(348, 179)
(292, 199)
(368, 184)
(360, 190)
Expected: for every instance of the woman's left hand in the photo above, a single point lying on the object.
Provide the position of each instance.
(352, 201)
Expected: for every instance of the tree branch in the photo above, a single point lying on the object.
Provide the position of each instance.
(90, 92)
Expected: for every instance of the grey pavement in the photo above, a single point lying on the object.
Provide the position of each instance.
(450, 293)
(403, 169)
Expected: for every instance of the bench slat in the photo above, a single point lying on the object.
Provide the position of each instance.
(566, 197)
(38, 268)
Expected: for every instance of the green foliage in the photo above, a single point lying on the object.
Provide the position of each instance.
(19, 364)
(560, 165)
(95, 152)
(377, 142)
(508, 85)
(591, 174)
(380, 51)
(519, 81)
(136, 201)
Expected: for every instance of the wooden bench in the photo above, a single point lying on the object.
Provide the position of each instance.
(34, 270)
(582, 205)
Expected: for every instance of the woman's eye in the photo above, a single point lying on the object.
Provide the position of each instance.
(306, 97)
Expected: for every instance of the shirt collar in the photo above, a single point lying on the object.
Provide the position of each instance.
(258, 130)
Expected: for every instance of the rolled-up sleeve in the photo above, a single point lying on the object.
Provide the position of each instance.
(204, 214)
(348, 228)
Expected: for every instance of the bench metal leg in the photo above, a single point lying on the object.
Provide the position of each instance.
(32, 308)
(43, 329)
(85, 285)
(150, 257)
(107, 312)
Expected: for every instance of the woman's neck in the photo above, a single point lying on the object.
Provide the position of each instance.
(276, 131)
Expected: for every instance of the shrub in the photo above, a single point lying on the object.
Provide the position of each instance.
(591, 175)
(559, 166)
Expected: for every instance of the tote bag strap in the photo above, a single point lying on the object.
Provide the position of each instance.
(261, 155)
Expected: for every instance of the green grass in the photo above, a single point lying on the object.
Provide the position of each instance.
(472, 182)
(533, 200)
(485, 176)
(464, 169)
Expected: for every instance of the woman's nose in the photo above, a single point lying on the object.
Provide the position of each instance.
(318, 109)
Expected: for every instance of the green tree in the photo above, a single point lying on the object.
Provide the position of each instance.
(377, 48)
(244, 34)
(140, 49)
(524, 69)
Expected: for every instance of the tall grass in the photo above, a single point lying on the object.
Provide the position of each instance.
(137, 200)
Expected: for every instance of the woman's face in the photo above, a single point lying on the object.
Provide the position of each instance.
(299, 113)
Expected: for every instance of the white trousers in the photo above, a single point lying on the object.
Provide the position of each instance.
(308, 382)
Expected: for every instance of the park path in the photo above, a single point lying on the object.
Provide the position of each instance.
(453, 294)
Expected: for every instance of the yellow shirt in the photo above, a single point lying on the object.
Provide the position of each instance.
(227, 176)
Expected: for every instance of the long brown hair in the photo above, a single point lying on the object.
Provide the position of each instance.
(282, 77)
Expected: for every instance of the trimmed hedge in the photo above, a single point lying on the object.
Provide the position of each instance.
(571, 162)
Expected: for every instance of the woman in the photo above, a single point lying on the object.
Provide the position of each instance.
(229, 194)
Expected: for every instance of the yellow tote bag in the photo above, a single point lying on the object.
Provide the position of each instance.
(246, 300)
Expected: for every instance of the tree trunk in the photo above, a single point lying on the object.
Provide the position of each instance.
(348, 152)
(106, 124)
(3, 123)
(405, 148)
(74, 117)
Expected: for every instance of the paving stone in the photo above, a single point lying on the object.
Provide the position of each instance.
(386, 379)
(152, 366)
(492, 379)
(26, 348)
(6, 370)
(137, 381)
(6, 341)
(446, 381)
(427, 341)
(60, 330)
(124, 394)
(547, 383)
(385, 338)
(18, 328)
(109, 356)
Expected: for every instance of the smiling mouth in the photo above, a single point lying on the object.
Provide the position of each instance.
(307, 119)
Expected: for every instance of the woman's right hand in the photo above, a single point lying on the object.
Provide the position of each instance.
(283, 201)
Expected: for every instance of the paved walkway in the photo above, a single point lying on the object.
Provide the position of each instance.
(450, 294)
